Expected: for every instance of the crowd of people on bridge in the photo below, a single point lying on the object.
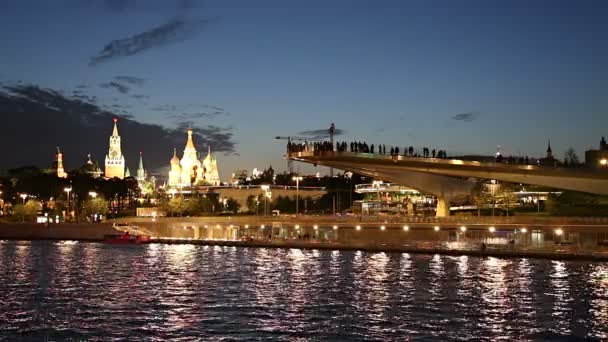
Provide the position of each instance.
(363, 147)
(381, 149)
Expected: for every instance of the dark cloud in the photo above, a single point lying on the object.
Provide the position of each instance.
(321, 133)
(165, 108)
(40, 119)
(210, 135)
(132, 80)
(140, 96)
(466, 117)
(188, 117)
(121, 88)
(177, 29)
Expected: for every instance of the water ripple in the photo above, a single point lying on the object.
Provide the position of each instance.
(71, 290)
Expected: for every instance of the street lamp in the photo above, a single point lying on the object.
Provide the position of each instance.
(93, 194)
(297, 179)
(23, 197)
(67, 190)
(267, 195)
(604, 162)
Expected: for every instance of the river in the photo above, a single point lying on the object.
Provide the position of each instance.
(75, 290)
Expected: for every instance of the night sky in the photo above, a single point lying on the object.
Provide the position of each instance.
(464, 76)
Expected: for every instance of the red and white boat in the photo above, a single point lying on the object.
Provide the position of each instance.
(126, 239)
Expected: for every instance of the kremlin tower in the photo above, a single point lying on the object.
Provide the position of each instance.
(60, 170)
(141, 172)
(115, 161)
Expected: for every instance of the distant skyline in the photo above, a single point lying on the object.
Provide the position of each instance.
(462, 76)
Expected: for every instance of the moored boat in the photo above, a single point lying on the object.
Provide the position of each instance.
(126, 239)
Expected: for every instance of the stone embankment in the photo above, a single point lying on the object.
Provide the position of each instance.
(96, 232)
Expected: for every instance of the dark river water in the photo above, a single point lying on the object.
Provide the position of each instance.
(87, 291)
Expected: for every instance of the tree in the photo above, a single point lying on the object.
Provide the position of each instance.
(481, 196)
(571, 158)
(253, 203)
(94, 206)
(176, 206)
(506, 196)
(232, 205)
(28, 211)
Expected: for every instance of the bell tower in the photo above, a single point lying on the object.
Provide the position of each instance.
(115, 161)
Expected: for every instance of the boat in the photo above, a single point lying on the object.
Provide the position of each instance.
(126, 239)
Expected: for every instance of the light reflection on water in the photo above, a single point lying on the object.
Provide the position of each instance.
(61, 290)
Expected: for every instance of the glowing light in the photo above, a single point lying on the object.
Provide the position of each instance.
(559, 232)
(524, 230)
(382, 227)
(231, 226)
(492, 229)
(218, 226)
(262, 226)
(246, 226)
(436, 228)
(297, 226)
(463, 229)
(94, 195)
(335, 227)
(206, 226)
(406, 228)
(316, 227)
(604, 162)
(358, 227)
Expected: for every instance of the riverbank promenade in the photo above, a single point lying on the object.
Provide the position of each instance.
(542, 237)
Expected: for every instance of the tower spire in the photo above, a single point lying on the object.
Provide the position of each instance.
(549, 151)
(115, 131)
(141, 173)
(60, 170)
(141, 160)
(190, 142)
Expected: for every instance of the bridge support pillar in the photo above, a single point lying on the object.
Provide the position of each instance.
(443, 207)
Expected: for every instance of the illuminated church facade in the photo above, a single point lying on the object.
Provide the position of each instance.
(189, 170)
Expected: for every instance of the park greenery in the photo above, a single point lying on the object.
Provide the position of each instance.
(47, 192)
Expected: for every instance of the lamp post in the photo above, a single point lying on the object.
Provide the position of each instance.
(604, 162)
(23, 197)
(67, 190)
(493, 188)
(93, 194)
(297, 179)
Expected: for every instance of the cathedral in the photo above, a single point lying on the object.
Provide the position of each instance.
(115, 161)
(190, 171)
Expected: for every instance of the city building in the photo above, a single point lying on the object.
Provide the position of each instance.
(115, 161)
(597, 159)
(91, 168)
(60, 170)
(190, 171)
(548, 160)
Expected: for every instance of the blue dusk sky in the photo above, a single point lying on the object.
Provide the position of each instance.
(464, 76)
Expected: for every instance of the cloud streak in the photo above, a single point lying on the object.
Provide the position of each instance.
(175, 30)
(132, 80)
(119, 87)
(466, 117)
(321, 133)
